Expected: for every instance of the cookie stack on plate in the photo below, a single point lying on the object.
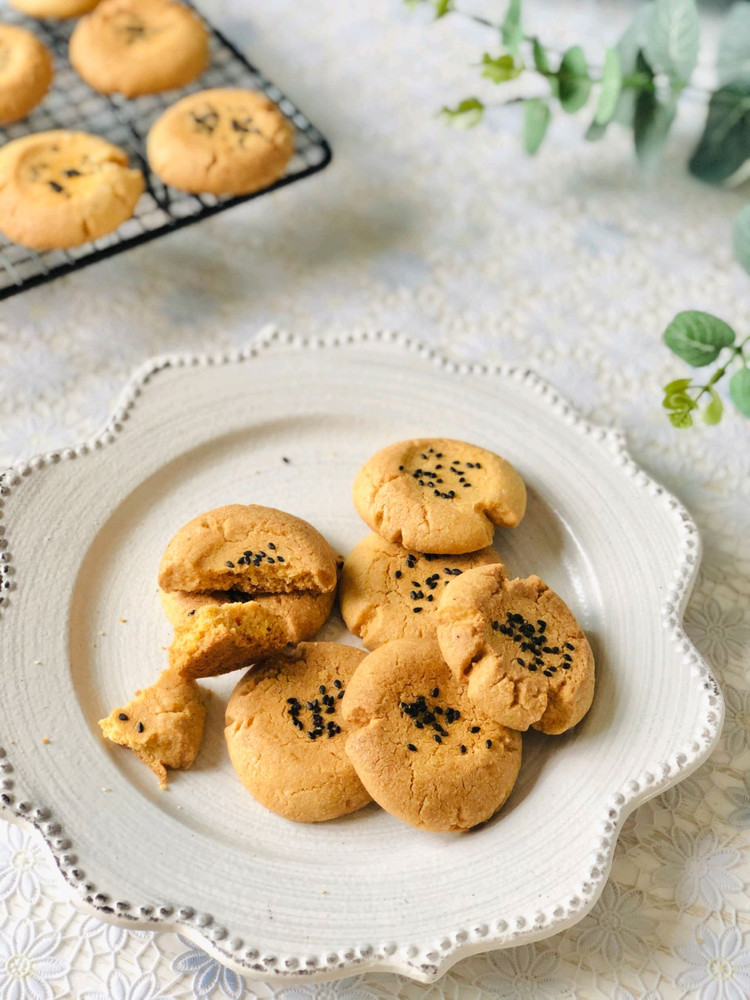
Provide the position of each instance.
(462, 657)
(61, 188)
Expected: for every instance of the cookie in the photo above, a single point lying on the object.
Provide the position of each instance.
(221, 141)
(254, 549)
(60, 189)
(223, 631)
(135, 47)
(518, 648)
(438, 495)
(54, 8)
(25, 72)
(389, 593)
(423, 751)
(286, 734)
(162, 724)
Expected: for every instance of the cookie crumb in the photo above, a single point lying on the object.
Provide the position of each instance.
(105, 789)
(45, 740)
(285, 460)
(37, 663)
(123, 620)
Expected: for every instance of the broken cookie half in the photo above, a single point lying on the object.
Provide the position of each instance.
(162, 724)
(241, 582)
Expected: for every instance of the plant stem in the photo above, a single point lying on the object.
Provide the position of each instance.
(737, 351)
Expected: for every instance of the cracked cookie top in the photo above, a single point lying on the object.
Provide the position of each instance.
(249, 548)
(438, 495)
(518, 648)
(422, 749)
(387, 592)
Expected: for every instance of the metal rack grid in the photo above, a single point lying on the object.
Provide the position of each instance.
(72, 104)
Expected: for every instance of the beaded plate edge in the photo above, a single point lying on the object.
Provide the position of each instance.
(427, 964)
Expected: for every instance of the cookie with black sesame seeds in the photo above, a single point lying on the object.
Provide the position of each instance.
(222, 631)
(136, 47)
(247, 547)
(422, 749)
(59, 189)
(25, 72)
(162, 724)
(285, 733)
(221, 141)
(438, 495)
(518, 648)
(387, 592)
(54, 8)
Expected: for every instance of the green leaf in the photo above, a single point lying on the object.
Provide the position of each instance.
(725, 143)
(633, 40)
(733, 56)
(535, 121)
(541, 58)
(467, 114)
(611, 86)
(595, 132)
(672, 38)
(741, 238)
(442, 7)
(714, 410)
(511, 27)
(678, 401)
(678, 385)
(500, 69)
(681, 419)
(651, 124)
(698, 337)
(739, 390)
(573, 80)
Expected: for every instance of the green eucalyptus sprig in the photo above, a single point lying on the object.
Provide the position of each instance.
(700, 339)
(641, 81)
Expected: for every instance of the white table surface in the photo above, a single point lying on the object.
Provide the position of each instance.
(572, 263)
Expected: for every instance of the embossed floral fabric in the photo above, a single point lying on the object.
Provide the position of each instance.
(572, 264)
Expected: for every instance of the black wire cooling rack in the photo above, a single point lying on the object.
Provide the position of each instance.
(72, 104)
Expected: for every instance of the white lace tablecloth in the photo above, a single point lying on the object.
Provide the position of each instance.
(572, 263)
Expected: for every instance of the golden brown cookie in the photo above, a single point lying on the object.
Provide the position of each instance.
(438, 495)
(59, 189)
(286, 734)
(162, 724)
(221, 141)
(25, 72)
(423, 751)
(223, 631)
(518, 647)
(258, 550)
(389, 593)
(135, 47)
(54, 8)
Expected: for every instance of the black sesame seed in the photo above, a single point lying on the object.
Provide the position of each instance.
(140, 727)
(547, 673)
(542, 624)
(400, 468)
(55, 186)
(437, 738)
(122, 717)
(438, 466)
(430, 597)
(330, 710)
(191, 613)
(230, 564)
(292, 701)
(72, 172)
(398, 574)
(532, 668)
(340, 694)
(488, 743)
(410, 746)
(279, 559)
(416, 610)
(322, 689)
(522, 662)
(567, 657)
(463, 748)
(270, 559)
(569, 645)
(475, 729)
(285, 460)
(337, 683)
(435, 693)
(419, 725)
(565, 666)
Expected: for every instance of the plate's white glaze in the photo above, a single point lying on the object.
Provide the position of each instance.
(82, 628)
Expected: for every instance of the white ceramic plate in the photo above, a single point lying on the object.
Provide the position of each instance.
(82, 628)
